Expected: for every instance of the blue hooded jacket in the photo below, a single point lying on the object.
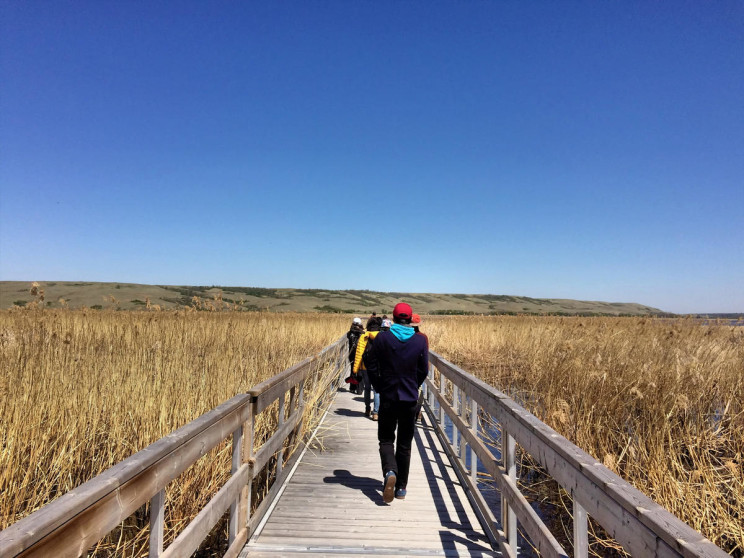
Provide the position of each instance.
(398, 363)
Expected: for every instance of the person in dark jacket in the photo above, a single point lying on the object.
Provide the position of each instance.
(353, 335)
(397, 365)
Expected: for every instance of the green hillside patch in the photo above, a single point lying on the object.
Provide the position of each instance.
(132, 296)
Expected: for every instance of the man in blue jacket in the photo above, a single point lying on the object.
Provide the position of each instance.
(397, 364)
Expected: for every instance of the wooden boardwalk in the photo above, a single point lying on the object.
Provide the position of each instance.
(332, 504)
(327, 499)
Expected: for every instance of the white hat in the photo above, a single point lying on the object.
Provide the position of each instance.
(357, 321)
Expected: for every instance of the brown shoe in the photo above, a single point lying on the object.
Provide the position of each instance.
(374, 416)
(388, 490)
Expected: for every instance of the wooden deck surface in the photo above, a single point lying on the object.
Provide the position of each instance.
(332, 504)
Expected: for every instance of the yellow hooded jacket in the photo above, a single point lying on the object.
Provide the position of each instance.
(361, 345)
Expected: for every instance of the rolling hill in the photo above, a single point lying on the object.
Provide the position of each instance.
(131, 296)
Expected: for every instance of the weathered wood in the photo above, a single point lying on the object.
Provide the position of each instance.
(442, 392)
(70, 525)
(508, 516)
(474, 430)
(617, 521)
(276, 442)
(633, 519)
(237, 545)
(196, 531)
(269, 390)
(237, 451)
(157, 514)
(537, 530)
(488, 521)
(455, 446)
(580, 531)
(74, 522)
(463, 412)
(268, 500)
(332, 492)
(244, 503)
(281, 419)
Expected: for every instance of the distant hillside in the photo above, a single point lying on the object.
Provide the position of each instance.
(129, 296)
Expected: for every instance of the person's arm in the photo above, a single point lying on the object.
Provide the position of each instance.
(422, 368)
(359, 352)
(372, 363)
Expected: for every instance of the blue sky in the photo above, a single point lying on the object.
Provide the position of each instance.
(588, 150)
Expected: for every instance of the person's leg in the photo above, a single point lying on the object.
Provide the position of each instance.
(386, 435)
(367, 390)
(376, 408)
(406, 413)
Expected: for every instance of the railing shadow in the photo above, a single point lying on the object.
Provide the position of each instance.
(435, 470)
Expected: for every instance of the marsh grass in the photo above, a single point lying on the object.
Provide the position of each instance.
(82, 390)
(657, 401)
(660, 402)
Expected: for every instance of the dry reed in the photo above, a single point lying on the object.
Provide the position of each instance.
(82, 390)
(659, 402)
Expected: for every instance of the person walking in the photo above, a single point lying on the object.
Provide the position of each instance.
(416, 324)
(397, 365)
(360, 370)
(353, 335)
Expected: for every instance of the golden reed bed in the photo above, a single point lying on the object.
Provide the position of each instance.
(659, 402)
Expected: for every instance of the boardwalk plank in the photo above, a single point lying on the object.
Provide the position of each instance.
(332, 505)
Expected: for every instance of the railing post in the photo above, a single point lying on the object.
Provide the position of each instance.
(442, 391)
(474, 428)
(580, 530)
(463, 415)
(247, 455)
(157, 516)
(508, 517)
(280, 455)
(455, 399)
(237, 449)
(431, 391)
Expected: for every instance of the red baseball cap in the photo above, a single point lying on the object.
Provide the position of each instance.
(402, 310)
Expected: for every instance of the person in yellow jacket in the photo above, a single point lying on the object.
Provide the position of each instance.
(360, 369)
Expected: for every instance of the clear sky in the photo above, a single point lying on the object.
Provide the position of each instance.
(588, 150)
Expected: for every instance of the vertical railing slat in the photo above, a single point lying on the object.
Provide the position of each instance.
(442, 391)
(464, 415)
(431, 391)
(474, 428)
(455, 397)
(237, 450)
(508, 517)
(280, 455)
(580, 531)
(157, 516)
(247, 454)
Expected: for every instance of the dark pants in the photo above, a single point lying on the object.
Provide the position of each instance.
(400, 414)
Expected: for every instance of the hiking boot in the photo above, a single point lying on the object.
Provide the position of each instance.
(400, 493)
(388, 491)
(367, 412)
(374, 416)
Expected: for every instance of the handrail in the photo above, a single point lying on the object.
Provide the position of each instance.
(73, 523)
(640, 525)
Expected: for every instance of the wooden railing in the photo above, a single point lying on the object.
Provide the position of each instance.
(72, 524)
(639, 524)
(75, 522)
